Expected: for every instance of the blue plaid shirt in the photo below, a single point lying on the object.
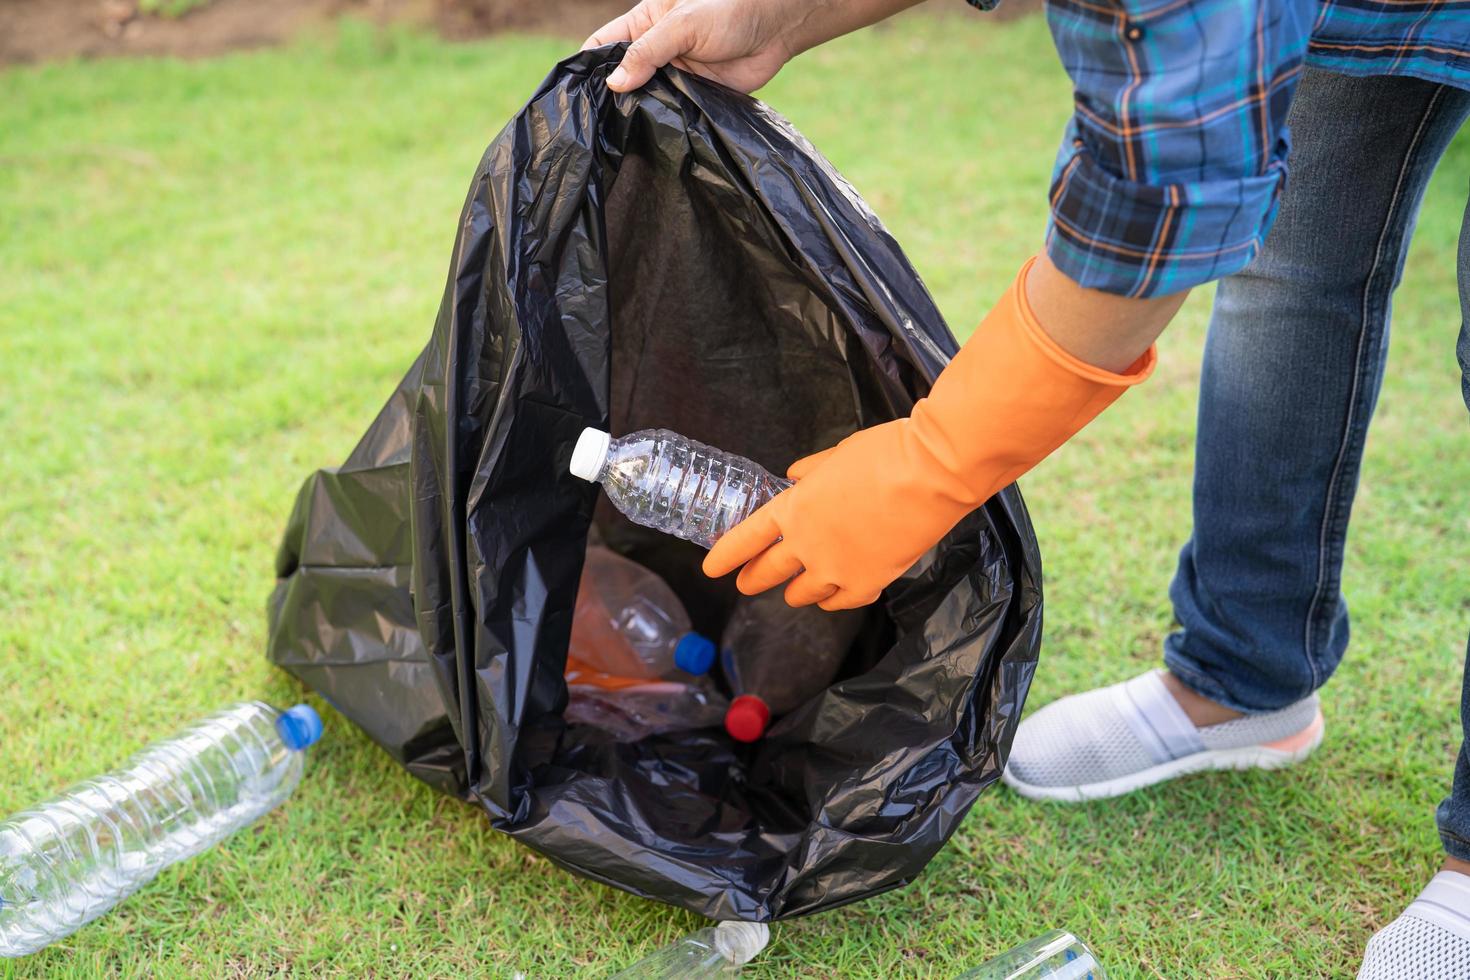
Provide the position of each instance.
(1172, 165)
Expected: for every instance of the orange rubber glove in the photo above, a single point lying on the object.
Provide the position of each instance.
(862, 512)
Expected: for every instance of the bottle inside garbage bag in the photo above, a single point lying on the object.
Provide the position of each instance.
(67, 861)
(775, 657)
(1056, 955)
(628, 622)
(711, 952)
(665, 481)
(632, 708)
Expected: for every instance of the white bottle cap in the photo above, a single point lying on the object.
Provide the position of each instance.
(590, 454)
(739, 942)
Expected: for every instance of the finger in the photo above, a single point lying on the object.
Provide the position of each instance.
(847, 599)
(806, 589)
(615, 30)
(628, 27)
(742, 543)
(768, 569)
(668, 38)
(806, 464)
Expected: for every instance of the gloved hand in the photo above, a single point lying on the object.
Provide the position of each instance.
(864, 511)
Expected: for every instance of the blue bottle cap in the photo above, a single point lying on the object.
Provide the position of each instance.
(299, 727)
(694, 654)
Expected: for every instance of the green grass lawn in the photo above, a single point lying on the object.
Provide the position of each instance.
(214, 272)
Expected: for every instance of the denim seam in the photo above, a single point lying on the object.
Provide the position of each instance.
(1333, 504)
(1454, 845)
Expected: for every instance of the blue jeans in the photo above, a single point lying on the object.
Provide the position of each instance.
(1292, 368)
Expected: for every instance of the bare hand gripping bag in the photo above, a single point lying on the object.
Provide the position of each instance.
(679, 258)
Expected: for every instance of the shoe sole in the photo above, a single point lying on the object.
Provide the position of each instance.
(1269, 755)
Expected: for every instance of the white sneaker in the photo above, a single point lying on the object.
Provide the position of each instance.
(1430, 941)
(1114, 740)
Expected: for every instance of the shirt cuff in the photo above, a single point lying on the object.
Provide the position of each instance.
(1141, 240)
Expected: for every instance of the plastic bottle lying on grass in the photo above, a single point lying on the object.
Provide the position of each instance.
(662, 480)
(719, 951)
(69, 860)
(1057, 955)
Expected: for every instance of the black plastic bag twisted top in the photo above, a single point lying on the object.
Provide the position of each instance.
(679, 257)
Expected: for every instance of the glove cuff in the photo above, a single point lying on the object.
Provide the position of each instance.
(1137, 372)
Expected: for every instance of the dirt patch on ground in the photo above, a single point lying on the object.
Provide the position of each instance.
(38, 30)
(463, 19)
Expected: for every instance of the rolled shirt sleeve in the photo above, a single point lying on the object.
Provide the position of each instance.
(1174, 159)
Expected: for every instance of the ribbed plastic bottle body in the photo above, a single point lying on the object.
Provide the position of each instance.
(665, 481)
(785, 655)
(69, 860)
(711, 952)
(1056, 955)
(627, 620)
(694, 956)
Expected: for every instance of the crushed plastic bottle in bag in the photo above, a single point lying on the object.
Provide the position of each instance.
(631, 708)
(628, 622)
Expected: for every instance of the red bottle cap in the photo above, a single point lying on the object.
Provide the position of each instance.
(746, 718)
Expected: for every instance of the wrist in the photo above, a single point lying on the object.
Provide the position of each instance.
(1098, 329)
(815, 20)
(1138, 369)
(819, 21)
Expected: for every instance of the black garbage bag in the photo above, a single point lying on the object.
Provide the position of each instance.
(681, 258)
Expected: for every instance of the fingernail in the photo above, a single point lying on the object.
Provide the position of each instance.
(618, 77)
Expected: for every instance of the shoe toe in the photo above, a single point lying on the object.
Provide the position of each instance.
(1076, 742)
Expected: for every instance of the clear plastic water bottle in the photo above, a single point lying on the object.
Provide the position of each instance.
(1057, 955)
(67, 861)
(632, 708)
(776, 657)
(712, 952)
(628, 622)
(664, 481)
